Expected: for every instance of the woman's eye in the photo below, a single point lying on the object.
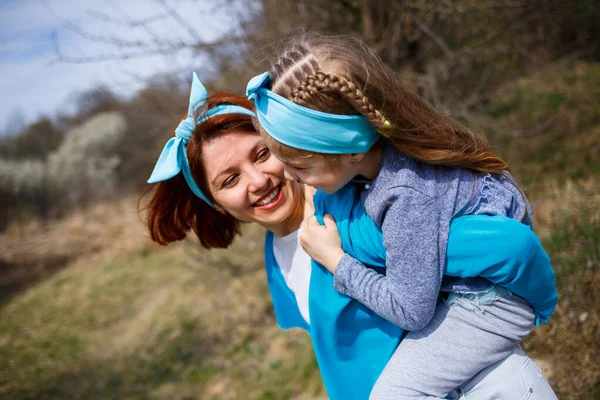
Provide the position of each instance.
(264, 154)
(229, 181)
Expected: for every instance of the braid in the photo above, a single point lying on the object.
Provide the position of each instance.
(361, 102)
(292, 68)
(321, 81)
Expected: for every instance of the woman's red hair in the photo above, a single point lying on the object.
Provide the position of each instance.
(173, 209)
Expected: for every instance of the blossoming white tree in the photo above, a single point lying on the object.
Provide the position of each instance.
(82, 168)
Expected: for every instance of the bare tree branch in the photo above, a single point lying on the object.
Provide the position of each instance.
(114, 41)
(122, 49)
(538, 129)
(139, 22)
(128, 23)
(105, 17)
(438, 40)
(182, 22)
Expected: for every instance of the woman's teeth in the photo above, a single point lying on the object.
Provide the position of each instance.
(272, 196)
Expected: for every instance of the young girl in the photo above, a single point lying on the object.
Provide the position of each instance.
(334, 113)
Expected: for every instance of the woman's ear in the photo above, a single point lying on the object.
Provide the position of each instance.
(220, 209)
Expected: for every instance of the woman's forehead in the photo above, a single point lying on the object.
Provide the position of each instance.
(229, 150)
(230, 143)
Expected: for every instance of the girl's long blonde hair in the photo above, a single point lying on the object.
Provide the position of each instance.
(343, 76)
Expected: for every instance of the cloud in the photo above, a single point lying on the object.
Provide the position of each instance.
(35, 83)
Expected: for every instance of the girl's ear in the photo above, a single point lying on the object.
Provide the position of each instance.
(355, 158)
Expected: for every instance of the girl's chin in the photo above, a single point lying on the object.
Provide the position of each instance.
(329, 190)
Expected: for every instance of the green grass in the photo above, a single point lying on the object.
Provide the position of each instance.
(150, 325)
(528, 103)
(556, 114)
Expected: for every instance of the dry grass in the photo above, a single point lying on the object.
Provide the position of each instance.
(35, 251)
(569, 220)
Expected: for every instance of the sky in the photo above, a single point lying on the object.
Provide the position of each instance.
(34, 82)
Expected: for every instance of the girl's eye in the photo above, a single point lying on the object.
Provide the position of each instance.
(229, 181)
(263, 154)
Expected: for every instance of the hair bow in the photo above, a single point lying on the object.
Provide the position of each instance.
(173, 158)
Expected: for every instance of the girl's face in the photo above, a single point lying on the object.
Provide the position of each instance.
(321, 173)
(248, 182)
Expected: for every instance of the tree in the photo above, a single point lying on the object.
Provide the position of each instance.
(35, 141)
(454, 53)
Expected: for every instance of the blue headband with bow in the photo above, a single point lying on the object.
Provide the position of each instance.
(173, 158)
(307, 129)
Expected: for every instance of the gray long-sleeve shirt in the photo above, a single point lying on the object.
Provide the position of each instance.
(414, 203)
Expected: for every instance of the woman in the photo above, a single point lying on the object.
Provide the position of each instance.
(217, 172)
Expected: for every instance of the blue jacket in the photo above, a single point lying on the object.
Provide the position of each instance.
(352, 344)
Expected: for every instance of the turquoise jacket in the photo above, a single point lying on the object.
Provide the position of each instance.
(352, 344)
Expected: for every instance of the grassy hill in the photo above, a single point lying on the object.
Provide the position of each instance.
(91, 310)
(550, 131)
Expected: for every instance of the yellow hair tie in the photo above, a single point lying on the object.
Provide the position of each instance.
(387, 124)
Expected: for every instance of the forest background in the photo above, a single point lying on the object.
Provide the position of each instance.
(89, 308)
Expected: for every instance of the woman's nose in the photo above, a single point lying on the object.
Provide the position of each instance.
(258, 180)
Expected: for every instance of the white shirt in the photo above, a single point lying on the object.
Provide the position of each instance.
(295, 267)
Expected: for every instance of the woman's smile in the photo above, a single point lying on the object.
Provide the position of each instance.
(271, 200)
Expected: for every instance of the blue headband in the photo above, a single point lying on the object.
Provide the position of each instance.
(173, 158)
(306, 129)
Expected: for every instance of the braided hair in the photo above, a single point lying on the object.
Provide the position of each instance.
(340, 75)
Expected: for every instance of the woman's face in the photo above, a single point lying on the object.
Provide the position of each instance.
(248, 182)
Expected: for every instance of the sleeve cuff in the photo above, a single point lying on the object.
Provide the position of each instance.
(343, 272)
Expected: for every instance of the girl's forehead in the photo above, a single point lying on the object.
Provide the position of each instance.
(293, 156)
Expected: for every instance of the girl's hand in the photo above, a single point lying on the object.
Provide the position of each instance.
(322, 242)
